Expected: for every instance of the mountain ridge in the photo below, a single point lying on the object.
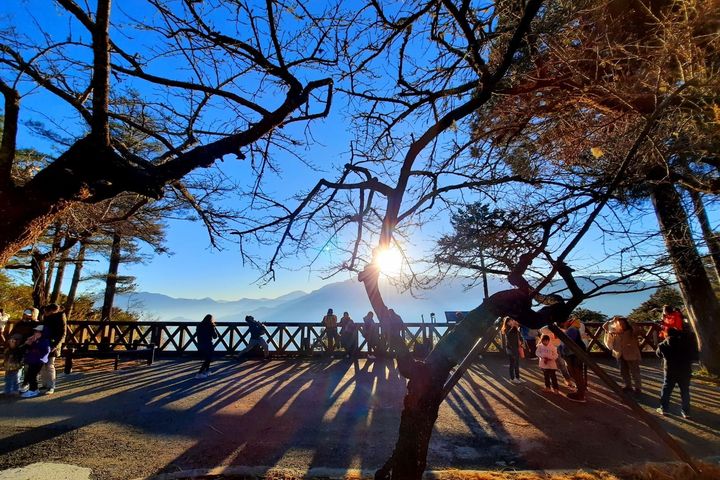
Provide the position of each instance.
(348, 295)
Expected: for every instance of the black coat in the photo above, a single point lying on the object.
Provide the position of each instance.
(679, 352)
(24, 328)
(205, 334)
(512, 341)
(55, 325)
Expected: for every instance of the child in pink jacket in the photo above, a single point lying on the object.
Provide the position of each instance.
(547, 355)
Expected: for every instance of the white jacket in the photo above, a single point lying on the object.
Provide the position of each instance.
(547, 356)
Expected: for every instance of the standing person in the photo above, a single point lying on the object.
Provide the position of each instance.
(55, 324)
(13, 354)
(511, 332)
(671, 318)
(25, 328)
(626, 349)
(36, 355)
(348, 334)
(547, 355)
(530, 340)
(395, 341)
(257, 330)
(679, 351)
(561, 363)
(4, 322)
(576, 367)
(206, 333)
(370, 332)
(329, 321)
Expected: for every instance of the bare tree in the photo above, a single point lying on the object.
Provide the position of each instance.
(105, 77)
(427, 141)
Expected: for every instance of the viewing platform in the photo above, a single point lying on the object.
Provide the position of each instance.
(301, 415)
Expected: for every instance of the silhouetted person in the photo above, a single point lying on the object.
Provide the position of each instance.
(256, 330)
(511, 332)
(371, 334)
(206, 333)
(348, 334)
(329, 321)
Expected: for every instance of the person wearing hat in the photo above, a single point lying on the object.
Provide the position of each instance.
(25, 327)
(55, 324)
(37, 354)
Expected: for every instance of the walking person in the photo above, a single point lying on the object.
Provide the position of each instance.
(513, 346)
(625, 348)
(329, 321)
(55, 323)
(205, 334)
(36, 356)
(678, 352)
(547, 355)
(256, 330)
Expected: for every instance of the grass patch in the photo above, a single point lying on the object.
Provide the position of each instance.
(704, 376)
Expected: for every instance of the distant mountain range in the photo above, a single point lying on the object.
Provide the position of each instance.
(349, 296)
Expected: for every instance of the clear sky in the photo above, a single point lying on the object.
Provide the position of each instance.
(194, 270)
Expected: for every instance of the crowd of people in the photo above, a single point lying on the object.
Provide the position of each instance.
(31, 346)
(33, 343)
(677, 349)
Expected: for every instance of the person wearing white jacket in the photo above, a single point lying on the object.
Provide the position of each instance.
(547, 355)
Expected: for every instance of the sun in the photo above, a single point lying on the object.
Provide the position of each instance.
(388, 260)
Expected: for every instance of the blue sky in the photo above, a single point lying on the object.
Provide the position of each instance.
(194, 270)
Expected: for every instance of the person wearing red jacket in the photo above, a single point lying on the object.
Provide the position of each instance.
(671, 318)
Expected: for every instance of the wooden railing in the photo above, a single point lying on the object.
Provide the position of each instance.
(284, 338)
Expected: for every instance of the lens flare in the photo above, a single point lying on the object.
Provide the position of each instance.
(389, 260)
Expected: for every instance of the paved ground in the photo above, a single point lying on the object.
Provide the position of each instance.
(140, 421)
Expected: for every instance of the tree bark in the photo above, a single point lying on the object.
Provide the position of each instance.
(111, 281)
(711, 239)
(79, 261)
(59, 274)
(702, 303)
(427, 378)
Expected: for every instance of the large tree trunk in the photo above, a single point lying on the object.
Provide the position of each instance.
(79, 261)
(59, 276)
(111, 281)
(711, 239)
(427, 378)
(702, 303)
